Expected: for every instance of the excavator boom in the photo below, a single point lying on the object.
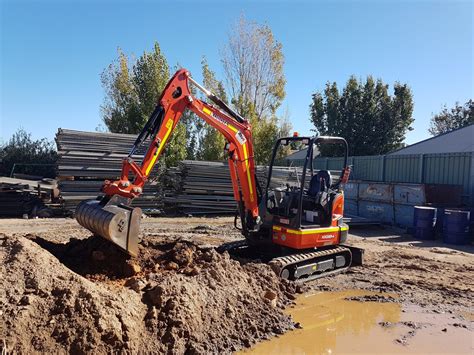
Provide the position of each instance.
(112, 217)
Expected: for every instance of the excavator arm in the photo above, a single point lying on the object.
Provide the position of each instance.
(174, 100)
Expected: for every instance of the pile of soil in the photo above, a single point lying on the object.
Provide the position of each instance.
(177, 297)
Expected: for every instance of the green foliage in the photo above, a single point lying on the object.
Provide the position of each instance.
(132, 93)
(176, 147)
(190, 122)
(121, 109)
(265, 132)
(22, 149)
(365, 114)
(211, 142)
(450, 119)
(192, 127)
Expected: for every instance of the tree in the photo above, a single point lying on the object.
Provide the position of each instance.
(253, 66)
(131, 94)
(22, 149)
(365, 114)
(457, 117)
(211, 143)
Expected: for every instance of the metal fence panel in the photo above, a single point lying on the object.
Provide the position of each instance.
(367, 168)
(335, 164)
(320, 163)
(403, 168)
(448, 168)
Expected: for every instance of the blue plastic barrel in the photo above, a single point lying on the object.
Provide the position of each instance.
(424, 221)
(456, 227)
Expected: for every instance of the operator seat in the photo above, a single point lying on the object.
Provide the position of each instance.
(318, 197)
(322, 181)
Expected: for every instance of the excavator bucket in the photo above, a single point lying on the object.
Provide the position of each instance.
(114, 220)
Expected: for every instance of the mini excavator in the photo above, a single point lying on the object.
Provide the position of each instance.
(296, 221)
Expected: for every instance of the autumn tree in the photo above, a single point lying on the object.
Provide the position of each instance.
(371, 119)
(450, 119)
(131, 94)
(253, 66)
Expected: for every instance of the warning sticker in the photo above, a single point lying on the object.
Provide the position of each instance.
(240, 137)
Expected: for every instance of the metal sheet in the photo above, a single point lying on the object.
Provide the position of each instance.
(404, 215)
(452, 168)
(403, 168)
(335, 164)
(367, 168)
(351, 190)
(373, 191)
(412, 194)
(379, 211)
(350, 207)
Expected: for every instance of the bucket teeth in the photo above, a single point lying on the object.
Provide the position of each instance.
(113, 221)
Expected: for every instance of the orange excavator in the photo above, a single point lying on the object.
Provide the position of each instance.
(296, 222)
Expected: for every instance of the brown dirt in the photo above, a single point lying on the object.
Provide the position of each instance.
(86, 296)
(60, 293)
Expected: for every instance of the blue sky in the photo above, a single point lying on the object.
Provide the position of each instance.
(52, 52)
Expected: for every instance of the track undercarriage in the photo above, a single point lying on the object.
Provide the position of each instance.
(301, 266)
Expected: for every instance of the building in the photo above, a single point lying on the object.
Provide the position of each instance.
(297, 155)
(458, 141)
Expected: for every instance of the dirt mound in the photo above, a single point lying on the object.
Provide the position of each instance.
(86, 296)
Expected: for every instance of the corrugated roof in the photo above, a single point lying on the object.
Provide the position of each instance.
(459, 140)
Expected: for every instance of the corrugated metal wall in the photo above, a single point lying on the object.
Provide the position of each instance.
(448, 168)
(367, 168)
(403, 168)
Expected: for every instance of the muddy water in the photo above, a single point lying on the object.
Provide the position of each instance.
(333, 325)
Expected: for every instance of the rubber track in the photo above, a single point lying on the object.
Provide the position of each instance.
(280, 263)
(232, 245)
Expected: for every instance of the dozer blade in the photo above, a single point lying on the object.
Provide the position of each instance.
(113, 220)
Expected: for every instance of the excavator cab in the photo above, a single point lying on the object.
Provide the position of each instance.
(303, 202)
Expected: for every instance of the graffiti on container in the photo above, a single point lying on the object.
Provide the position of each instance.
(373, 191)
(406, 193)
(375, 209)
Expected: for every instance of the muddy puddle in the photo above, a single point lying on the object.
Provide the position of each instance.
(358, 321)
